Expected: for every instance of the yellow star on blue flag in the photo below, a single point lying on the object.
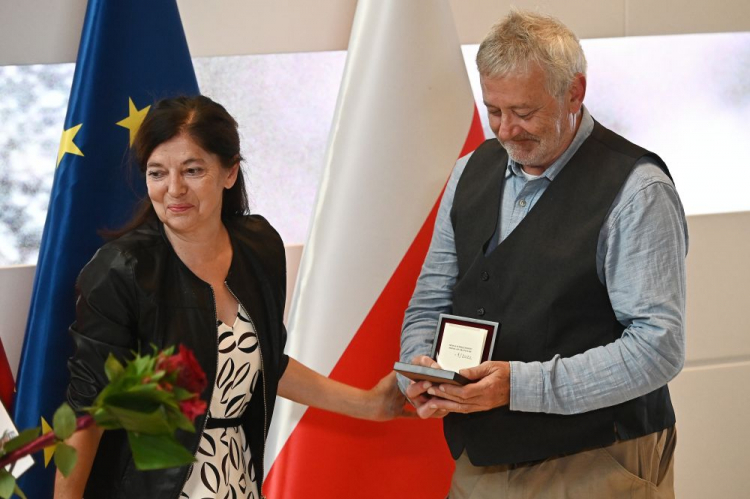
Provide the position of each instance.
(134, 120)
(66, 143)
(49, 452)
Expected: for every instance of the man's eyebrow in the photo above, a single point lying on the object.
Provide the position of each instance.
(514, 107)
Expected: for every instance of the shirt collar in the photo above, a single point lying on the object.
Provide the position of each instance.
(584, 130)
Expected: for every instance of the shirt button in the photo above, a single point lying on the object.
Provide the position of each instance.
(485, 276)
(522, 203)
(480, 311)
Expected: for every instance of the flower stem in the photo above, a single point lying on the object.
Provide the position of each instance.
(42, 442)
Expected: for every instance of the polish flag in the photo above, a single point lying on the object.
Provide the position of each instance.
(405, 114)
(7, 385)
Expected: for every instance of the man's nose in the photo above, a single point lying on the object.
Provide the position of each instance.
(507, 128)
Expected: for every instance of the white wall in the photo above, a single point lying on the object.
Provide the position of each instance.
(47, 31)
(15, 296)
(711, 396)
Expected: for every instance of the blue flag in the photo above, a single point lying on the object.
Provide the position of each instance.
(131, 54)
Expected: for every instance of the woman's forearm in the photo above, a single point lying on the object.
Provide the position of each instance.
(86, 443)
(304, 386)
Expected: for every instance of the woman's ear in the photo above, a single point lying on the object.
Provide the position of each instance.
(232, 176)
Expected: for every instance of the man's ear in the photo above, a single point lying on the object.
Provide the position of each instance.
(576, 93)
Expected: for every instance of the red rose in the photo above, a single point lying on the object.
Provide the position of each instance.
(190, 375)
(192, 408)
(169, 364)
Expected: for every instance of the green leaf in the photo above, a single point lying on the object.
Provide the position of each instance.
(109, 424)
(148, 391)
(7, 484)
(152, 452)
(181, 393)
(113, 368)
(140, 401)
(152, 423)
(167, 352)
(104, 419)
(143, 402)
(22, 439)
(141, 365)
(64, 422)
(178, 420)
(17, 490)
(65, 458)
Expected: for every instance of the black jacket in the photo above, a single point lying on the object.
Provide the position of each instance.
(136, 292)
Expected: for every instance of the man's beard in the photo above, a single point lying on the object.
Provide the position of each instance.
(544, 145)
(520, 154)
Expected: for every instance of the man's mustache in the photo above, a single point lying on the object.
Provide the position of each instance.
(521, 137)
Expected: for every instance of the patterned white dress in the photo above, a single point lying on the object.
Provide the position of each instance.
(224, 467)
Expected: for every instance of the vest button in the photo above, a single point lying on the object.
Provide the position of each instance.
(480, 311)
(485, 276)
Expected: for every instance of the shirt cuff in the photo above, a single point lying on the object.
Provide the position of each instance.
(403, 383)
(526, 386)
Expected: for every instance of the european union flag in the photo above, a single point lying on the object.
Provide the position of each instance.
(131, 53)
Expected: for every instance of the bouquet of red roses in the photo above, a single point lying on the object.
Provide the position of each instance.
(150, 397)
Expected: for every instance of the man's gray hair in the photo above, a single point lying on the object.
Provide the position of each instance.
(523, 39)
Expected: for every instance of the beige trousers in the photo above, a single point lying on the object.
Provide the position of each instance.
(640, 468)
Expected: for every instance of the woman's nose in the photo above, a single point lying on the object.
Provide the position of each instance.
(176, 185)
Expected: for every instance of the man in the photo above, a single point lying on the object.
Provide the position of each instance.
(573, 240)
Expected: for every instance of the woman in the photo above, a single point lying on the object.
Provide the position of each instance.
(192, 268)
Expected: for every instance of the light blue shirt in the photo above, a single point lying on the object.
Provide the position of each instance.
(640, 258)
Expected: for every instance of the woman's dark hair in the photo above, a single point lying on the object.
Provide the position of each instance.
(210, 126)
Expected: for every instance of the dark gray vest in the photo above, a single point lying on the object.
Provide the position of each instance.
(542, 286)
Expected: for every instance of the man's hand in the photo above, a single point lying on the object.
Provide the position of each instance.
(415, 392)
(491, 390)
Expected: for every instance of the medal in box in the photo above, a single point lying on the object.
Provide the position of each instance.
(460, 343)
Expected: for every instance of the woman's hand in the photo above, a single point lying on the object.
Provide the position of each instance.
(386, 400)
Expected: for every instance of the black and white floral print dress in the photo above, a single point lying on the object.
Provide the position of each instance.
(224, 468)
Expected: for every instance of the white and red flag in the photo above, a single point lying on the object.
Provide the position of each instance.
(7, 384)
(405, 114)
